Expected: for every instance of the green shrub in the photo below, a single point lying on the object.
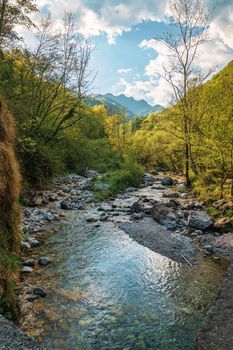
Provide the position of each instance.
(129, 174)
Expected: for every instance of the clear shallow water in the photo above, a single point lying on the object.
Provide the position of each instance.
(105, 291)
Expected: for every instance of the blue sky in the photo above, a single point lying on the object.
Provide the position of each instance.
(126, 56)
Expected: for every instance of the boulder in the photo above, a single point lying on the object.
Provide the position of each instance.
(199, 220)
(165, 216)
(167, 181)
(136, 207)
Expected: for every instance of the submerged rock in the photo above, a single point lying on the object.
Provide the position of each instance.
(199, 220)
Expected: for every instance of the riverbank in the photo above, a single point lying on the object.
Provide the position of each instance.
(161, 215)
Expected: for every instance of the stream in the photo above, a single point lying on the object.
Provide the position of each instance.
(105, 291)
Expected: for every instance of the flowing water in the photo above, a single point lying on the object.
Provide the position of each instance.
(105, 291)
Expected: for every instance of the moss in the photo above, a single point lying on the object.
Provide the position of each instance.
(10, 181)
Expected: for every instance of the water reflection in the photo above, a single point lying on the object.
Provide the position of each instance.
(105, 291)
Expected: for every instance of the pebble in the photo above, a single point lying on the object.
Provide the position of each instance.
(44, 261)
(27, 269)
(29, 262)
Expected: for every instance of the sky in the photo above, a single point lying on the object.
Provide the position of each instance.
(126, 55)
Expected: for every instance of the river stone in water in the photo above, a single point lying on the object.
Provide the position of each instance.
(199, 220)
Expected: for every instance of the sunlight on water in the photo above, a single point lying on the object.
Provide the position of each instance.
(105, 291)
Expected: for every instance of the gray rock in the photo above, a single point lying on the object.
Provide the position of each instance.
(104, 217)
(137, 216)
(33, 242)
(171, 195)
(27, 269)
(91, 217)
(167, 181)
(66, 189)
(44, 261)
(40, 292)
(29, 262)
(66, 205)
(199, 220)
(25, 245)
(209, 249)
(165, 216)
(136, 207)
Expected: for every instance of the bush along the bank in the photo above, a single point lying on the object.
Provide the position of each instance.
(129, 174)
(10, 180)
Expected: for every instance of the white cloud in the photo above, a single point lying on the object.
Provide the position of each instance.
(218, 51)
(109, 16)
(124, 70)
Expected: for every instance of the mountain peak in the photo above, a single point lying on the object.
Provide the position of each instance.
(137, 107)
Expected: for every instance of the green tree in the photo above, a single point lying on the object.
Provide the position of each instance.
(14, 13)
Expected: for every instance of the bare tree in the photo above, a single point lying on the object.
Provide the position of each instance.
(187, 32)
(53, 79)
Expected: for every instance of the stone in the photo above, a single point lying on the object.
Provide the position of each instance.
(164, 216)
(29, 262)
(66, 205)
(91, 217)
(137, 216)
(171, 195)
(25, 245)
(209, 249)
(136, 207)
(104, 217)
(167, 181)
(106, 208)
(40, 292)
(44, 261)
(199, 220)
(33, 242)
(27, 269)
(66, 189)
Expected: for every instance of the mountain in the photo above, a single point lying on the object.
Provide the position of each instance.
(137, 107)
(111, 105)
(123, 104)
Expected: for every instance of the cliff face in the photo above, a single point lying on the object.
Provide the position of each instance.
(10, 180)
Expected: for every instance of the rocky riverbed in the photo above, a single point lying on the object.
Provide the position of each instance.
(161, 215)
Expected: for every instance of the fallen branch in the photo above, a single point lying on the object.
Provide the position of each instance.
(187, 260)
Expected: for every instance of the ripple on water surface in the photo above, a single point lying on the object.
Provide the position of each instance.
(105, 291)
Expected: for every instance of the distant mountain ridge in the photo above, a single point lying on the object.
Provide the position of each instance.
(137, 107)
(124, 104)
